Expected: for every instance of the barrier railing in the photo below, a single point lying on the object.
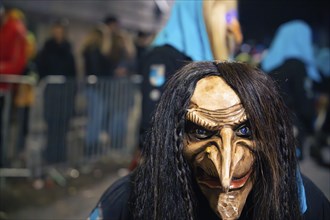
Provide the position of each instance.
(72, 123)
(12, 123)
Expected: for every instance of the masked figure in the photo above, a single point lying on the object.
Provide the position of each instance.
(290, 61)
(195, 31)
(221, 146)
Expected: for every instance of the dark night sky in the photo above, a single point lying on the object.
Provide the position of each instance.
(260, 18)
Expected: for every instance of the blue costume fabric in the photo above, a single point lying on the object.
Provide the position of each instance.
(184, 38)
(323, 61)
(293, 40)
(186, 31)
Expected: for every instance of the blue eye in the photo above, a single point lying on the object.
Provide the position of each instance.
(201, 133)
(244, 131)
(198, 132)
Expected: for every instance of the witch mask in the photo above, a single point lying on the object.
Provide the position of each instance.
(219, 147)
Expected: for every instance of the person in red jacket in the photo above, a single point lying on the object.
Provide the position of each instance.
(12, 43)
(13, 57)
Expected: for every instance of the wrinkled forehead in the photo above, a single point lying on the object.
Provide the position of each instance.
(213, 93)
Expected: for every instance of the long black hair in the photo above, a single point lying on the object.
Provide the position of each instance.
(163, 185)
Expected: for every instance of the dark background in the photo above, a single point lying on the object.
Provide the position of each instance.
(260, 18)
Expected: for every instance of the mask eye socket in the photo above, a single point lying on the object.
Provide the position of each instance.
(244, 130)
(197, 131)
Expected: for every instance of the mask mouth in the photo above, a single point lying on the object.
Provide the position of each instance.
(239, 182)
(212, 180)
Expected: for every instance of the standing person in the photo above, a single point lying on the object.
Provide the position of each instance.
(118, 47)
(56, 58)
(13, 45)
(120, 52)
(25, 94)
(221, 147)
(142, 42)
(12, 57)
(320, 149)
(94, 60)
(195, 31)
(290, 61)
(95, 63)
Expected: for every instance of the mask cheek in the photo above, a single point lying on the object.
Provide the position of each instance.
(191, 149)
(243, 164)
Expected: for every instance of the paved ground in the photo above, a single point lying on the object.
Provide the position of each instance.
(78, 206)
(319, 175)
(73, 207)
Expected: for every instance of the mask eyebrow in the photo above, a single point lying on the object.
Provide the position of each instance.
(206, 122)
(241, 122)
(203, 122)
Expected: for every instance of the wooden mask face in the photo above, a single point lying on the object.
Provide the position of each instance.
(219, 147)
(223, 27)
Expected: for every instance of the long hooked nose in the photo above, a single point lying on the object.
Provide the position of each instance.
(224, 157)
(226, 149)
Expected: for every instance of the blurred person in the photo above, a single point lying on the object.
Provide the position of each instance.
(290, 61)
(25, 94)
(95, 63)
(56, 59)
(13, 43)
(320, 150)
(221, 147)
(118, 47)
(142, 42)
(120, 52)
(94, 60)
(12, 56)
(195, 30)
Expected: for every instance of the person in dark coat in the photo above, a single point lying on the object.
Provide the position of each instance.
(320, 149)
(94, 60)
(95, 63)
(56, 59)
(290, 61)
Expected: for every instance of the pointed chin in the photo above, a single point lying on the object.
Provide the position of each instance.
(227, 205)
(226, 201)
(230, 205)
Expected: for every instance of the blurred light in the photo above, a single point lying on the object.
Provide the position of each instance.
(245, 48)
(123, 172)
(230, 15)
(38, 184)
(56, 79)
(74, 173)
(136, 78)
(92, 79)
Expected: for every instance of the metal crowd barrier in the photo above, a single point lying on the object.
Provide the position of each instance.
(72, 123)
(12, 123)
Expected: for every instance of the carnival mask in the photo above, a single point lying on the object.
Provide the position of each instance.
(219, 147)
(223, 27)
